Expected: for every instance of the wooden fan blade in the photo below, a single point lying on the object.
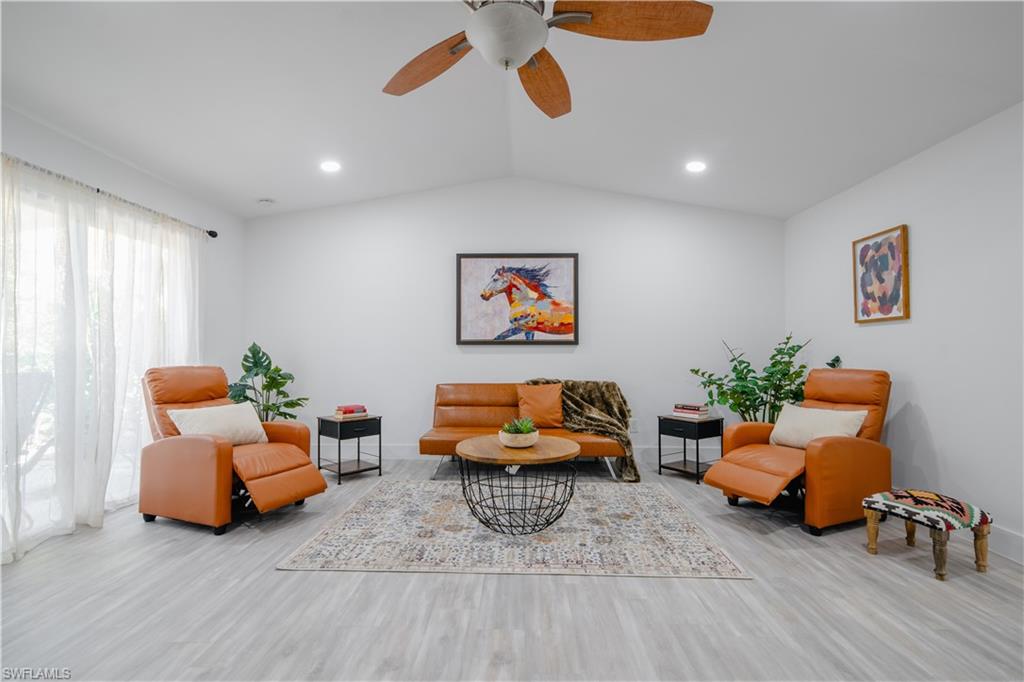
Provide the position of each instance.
(637, 19)
(544, 82)
(428, 65)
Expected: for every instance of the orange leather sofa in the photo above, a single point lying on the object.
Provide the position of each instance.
(193, 478)
(837, 472)
(464, 411)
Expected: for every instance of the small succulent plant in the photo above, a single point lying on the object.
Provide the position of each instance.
(524, 425)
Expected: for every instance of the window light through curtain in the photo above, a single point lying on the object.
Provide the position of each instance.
(94, 290)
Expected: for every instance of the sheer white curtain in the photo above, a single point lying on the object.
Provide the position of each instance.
(93, 291)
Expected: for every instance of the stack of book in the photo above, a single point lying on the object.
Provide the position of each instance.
(691, 410)
(350, 412)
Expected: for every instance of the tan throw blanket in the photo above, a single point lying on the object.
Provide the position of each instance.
(598, 407)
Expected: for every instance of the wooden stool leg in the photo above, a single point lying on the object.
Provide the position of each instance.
(911, 532)
(939, 540)
(873, 517)
(981, 547)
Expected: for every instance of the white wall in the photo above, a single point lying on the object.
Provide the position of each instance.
(222, 264)
(955, 416)
(358, 300)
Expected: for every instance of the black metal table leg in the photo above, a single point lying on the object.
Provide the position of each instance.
(359, 450)
(318, 467)
(698, 461)
(659, 451)
(380, 454)
(339, 461)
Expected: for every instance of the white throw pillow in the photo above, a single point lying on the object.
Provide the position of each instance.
(238, 423)
(798, 426)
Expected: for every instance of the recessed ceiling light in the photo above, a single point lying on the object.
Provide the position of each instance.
(265, 201)
(696, 166)
(330, 166)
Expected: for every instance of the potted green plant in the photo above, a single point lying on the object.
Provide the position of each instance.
(519, 433)
(758, 396)
(263, 384)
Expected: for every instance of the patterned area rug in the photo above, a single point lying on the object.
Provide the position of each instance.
(424, 526)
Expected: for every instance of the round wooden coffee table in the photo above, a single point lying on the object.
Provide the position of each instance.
(517, 491)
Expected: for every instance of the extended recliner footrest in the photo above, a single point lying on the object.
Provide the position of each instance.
(742, 481)
(277, 490)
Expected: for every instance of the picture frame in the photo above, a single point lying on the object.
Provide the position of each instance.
(881, 276)
(540, 292)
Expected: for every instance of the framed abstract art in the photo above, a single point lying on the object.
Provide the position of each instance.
(881, 276)
(517, 298)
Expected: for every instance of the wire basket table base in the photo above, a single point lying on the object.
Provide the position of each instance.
(517, 500)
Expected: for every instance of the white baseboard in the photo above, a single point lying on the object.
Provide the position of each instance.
(1006, 543)
(402, 451)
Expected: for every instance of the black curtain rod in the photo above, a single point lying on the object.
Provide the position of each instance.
(211, 233)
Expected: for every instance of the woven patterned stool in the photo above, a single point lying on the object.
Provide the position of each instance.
(939, 513)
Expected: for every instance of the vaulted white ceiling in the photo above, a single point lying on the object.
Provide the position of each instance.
(788, 103)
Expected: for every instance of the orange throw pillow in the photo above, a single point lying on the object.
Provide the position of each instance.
(542, 403)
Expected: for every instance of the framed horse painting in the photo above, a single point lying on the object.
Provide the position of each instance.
(517, 298)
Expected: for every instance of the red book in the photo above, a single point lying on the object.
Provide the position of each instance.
(350, 409)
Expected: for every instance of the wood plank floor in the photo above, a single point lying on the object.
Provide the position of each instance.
(172, 601)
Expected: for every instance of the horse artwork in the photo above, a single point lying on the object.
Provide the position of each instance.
(517, 299)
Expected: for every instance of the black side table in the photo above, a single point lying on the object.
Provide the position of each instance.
(688, 429)
(347, 429)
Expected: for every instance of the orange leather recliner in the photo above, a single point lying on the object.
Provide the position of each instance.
(836, 472)
(193, 478)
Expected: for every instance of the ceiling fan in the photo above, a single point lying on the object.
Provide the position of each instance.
(511, 34)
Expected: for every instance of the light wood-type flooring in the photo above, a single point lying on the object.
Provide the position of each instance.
(167, 600)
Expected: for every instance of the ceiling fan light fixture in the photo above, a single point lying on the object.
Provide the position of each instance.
(696, 166)
(507, 34)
